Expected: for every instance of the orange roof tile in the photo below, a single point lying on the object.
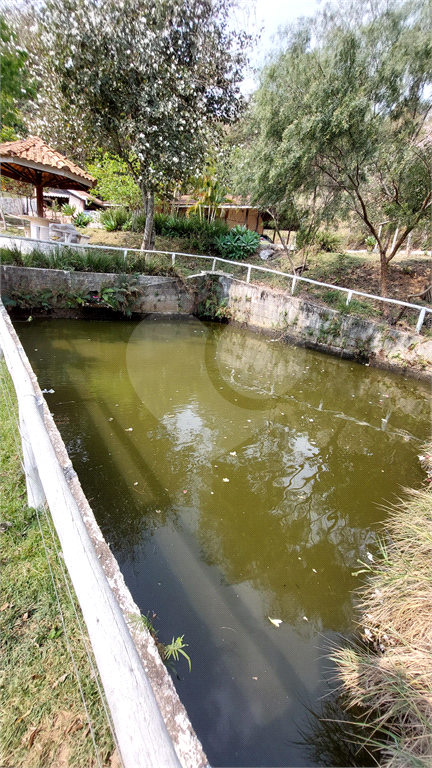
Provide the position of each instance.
(35, 150)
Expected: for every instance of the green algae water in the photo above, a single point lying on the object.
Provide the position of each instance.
(239, 482)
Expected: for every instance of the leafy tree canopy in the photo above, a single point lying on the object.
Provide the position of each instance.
(16, 85)
(115, 182)
(340, 117)
(153, 79)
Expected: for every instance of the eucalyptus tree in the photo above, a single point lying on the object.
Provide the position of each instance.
(341, 116)
(152, 79)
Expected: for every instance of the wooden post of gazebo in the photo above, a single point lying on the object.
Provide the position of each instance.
(39, 195)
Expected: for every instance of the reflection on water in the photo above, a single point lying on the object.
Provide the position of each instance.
(236, 479)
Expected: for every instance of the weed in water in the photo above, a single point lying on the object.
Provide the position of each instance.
(174, 648)
(166, 652)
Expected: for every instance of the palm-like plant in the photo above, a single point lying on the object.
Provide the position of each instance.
(210, 194)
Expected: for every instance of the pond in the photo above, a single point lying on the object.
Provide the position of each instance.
(239, 482)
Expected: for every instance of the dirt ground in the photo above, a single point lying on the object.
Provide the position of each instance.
(407, 276)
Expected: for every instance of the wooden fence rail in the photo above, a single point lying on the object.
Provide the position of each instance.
(141, 732)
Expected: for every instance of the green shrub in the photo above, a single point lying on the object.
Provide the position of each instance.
(81, 220)
(11, 256)
(370, 243)
(101, 261)
(115, 219)
(238, 243)
(138, 221)
(328, 241)
(68, 210)
(303, 238)
(200, 234)
(330, 297)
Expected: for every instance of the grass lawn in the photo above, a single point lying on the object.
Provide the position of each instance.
(44, 722)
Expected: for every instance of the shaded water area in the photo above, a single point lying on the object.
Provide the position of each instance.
(236, 479)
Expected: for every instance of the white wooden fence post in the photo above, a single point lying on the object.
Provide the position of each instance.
(349, 297)
(375, 248)
(248, 274)
(293, 284)
(35, 492)
(395, 236)
(173, 258)
(408, 246)
(420, 320)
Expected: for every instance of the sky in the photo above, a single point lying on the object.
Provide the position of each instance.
(270, 15)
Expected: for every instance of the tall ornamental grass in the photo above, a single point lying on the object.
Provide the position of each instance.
(390, 677)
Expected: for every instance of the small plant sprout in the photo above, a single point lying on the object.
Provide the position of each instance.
(174, 648)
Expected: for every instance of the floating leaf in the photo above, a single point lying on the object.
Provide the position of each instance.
(276, 622)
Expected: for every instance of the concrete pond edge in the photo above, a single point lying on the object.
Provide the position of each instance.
(314, 326)
(247, 305)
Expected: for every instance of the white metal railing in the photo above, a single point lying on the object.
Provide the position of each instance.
(350, 292)
(141, 732)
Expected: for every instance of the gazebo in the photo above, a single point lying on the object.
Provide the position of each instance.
(31, 160)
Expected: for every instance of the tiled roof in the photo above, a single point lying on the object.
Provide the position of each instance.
(37, 151)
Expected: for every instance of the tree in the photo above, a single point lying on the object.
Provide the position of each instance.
(16, 84)
(341, 115)
(115, 182)
(153, 80)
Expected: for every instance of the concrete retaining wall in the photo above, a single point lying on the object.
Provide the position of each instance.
(254, 307)
(160, 294)
(326, 329)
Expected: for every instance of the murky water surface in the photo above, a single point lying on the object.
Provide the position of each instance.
(237, 480)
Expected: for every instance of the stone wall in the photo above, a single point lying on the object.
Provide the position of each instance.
(160, 294)
(18, 205)
(328, 330)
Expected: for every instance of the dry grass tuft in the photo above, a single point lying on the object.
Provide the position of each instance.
(390, 678)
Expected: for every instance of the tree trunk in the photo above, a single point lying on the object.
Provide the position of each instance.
(148, 239)
(383, 275)
(383, 286)
(284, 245)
